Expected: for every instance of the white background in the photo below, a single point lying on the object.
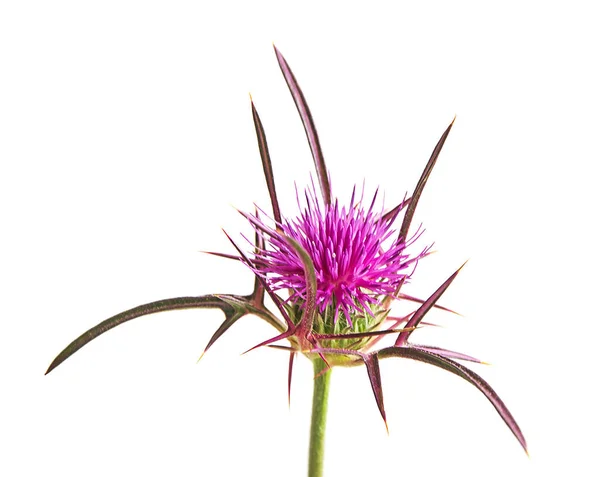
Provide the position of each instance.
(126, 143)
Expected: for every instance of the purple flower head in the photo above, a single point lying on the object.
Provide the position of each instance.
(359, 258)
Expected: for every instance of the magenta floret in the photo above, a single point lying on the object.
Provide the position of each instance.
(357, 254)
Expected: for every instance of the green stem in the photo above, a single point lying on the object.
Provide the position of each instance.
(316, 453)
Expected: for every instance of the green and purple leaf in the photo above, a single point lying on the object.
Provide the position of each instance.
(233, 306)
(309, 126)
(371, 361)
(364, 334)
(463, 372)
(372, 365)
(266, 162)
(404, 296)
(412, 206)
(258, 294)
(424, 308)
(258, 279)
(446, 353)
(391, 215)
(182, 303)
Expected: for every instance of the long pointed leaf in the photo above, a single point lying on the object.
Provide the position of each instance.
(266, 162)
(392, 214)
(258, 293)
(286, 334)
(207, 301)
(412, 206)
(403, 296)
(446, 353)
(264, 284)
(230, 318)
(465, 373)
(372, 365)
(371, 362)
(424, 308)
(364, 334)
(309, 126)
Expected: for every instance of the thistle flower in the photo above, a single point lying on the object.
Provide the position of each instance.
(354, 268)
(333, 273)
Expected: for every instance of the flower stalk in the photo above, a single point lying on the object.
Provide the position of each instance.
(318, 421)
